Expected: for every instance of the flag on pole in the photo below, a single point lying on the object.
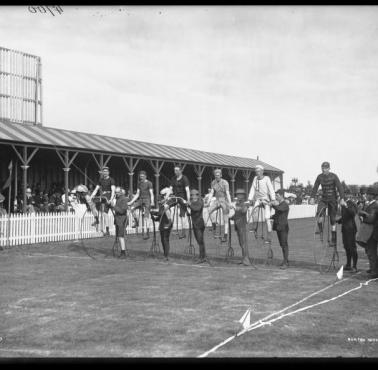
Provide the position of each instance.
(340, 273)
(246, 319)
(9, 179)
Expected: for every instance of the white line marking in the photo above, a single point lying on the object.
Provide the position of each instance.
(35, 351)
(262, 322)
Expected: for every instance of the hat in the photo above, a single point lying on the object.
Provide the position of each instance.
(194, 192)
(240, 191)
(105, 168)
(259, 167)
(164, 191)
(2, 198)
(326, 165)
(281, 192)
(373, 190)
(82, 189)
(118, 190)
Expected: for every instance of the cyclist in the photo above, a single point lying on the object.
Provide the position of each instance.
(106, 185)
(331, 185)
(83, 197)
(144, 197)
(221, 190)
(180, 188)
(261, 195)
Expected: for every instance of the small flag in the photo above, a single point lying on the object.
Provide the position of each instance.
(340, 273)
(9, 179)
(246, 319)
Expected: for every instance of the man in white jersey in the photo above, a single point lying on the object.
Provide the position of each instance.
(261, 194)
(221, 190)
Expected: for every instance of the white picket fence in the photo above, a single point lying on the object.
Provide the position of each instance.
(18, 229)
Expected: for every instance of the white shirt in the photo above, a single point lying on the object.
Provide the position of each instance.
(262, 189)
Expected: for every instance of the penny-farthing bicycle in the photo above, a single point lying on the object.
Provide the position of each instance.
(257, 222)
(155, 247)
(216, 216)
(326, 255)
(143, 223)
(181, 224)
(116, 249)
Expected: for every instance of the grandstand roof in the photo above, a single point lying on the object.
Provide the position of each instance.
(42, 136)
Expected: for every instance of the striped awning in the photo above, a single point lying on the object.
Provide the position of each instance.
(57, 138)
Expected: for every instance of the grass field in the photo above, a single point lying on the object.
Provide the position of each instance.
(57, 301)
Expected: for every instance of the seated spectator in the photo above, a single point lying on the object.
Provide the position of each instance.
(30, 201)
(3, 211)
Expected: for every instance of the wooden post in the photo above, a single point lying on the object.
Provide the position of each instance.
(67, 163)
(232, 173)
(24, 185)
(40, 89)
(198, 169)
(15, 185)
(101, 163)
(130, 165)
(246, 175)
(157, 166)
(36, 93)
(25, 160)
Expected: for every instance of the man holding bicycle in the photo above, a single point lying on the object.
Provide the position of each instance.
(331, 188)
(144, 198)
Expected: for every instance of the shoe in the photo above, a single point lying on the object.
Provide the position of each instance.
(368, 271)
(347, 268)
(182, 236)
(284, 265)
(146, 237)
(333, 239)
(373, 276)
(353, 270)
(166, 259)
(246, 262)
(200, 260)
(123, 255)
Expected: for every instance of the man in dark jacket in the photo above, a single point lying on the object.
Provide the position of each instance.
(198, 223)
(120, 218)
(281, 225)
(370, 216)
(240, 222)
(348, 231)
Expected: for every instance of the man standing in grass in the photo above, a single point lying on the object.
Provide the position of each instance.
(120, 218)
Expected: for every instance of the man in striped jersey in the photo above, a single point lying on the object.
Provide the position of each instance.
(261, 195)
(331, 188)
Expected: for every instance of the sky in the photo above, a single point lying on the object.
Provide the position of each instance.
(293, 85)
